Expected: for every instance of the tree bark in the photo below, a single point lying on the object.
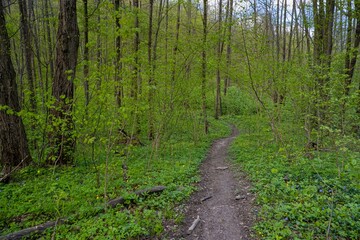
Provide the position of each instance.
(86, 53)
(26, 45)
(14, 152)
(229, 20)
(218, 75)
(118, 64)
(62, 141)
(151, 74)
(175, 51)
(204, 68)
(351, 51)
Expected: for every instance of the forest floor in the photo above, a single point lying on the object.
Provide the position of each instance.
(223, 202)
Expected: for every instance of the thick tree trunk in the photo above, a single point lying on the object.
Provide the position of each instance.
(14, 152)
(62, 140)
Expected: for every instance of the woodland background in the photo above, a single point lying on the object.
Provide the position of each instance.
(100, 98)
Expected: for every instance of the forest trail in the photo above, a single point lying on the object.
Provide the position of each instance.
(229, 213)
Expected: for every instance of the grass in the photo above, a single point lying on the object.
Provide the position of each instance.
(300, 198)
(38, 195)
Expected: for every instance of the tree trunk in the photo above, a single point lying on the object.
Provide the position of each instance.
(62, 141)
(229, 13)
(175, 51)
(351, 51)
(118, 64)
(86, 53)
(218, 76)
(204, 68)
(14, 152)
(26, 45)
(151, 75)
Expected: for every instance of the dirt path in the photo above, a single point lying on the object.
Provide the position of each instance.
(229, 213)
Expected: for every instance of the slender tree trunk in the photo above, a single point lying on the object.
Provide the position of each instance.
(306, 26)
(175, 51)
(29, 57)
(228, 47)
(323, 31)
(86, 53)
(291, 29)
(189, 35)
(351, 50)
(14, 152)
(62, 140)
(49, 41)
(151, 75)
(284, 31)
(136, 81)
(98, 46)
(218, 76)
(204, 67)
(118, 64)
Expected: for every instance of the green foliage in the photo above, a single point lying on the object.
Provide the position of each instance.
(237, 102)
(300, 198)
(38, 194)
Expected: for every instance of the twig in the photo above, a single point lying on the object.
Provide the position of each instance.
(193, 226)
(221, 168)
(205, 198)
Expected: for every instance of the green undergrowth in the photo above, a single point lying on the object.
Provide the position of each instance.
(80, 192)
(299, 197)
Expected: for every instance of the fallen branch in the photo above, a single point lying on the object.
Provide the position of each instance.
(221, 168)
(205, 198)
(140, 193)
(44, 226)
(36, 229)
(193, 226)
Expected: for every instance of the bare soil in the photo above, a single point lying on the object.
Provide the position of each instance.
(230, 212)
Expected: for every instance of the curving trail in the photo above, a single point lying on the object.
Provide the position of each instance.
(229, 213)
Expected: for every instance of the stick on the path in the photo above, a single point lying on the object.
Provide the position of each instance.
(205, 198)
(221, 168)
(193, 226)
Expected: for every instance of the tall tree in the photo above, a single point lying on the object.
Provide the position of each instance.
(204, 66)
(26, 44)
(14, 152)
(86, 53)
(352, 45)
(61, 138)
(175, 52)
(218, 74)
(229, 21)
(323, 34)
(118, 64)
(151, 81)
